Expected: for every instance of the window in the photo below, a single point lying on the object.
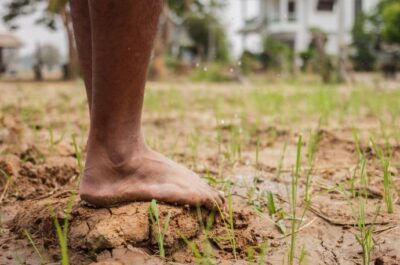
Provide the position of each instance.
(325, 5)
(292, 7)
(292, 10)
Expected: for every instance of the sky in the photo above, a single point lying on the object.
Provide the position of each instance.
(32, 34)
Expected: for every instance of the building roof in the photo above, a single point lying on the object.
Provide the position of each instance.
(9, 41)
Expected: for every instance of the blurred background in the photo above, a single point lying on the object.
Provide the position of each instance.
(220, 40)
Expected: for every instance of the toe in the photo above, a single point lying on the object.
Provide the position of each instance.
(221, 195)
(218, 201)
(211, 200)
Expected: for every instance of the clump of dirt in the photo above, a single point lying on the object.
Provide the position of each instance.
(93, 231)
(25, 177)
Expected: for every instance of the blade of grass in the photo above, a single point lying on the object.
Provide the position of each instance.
(28, 235)
(293, 201)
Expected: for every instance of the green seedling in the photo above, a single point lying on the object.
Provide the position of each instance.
(293, 202)
(313, 143)
(365, 236)
(263, 253)
(257, 151)
(352, 183)
(62, 232)
(32, 242)
(53, 142)
(78, 154)
(223, 184)
(234, 153)
(250, 254)
(387, 178)
(199, 257)
(252, 251)
(280, 162)
(357, 143)
(303, 255)
(271, 204)
(364, 176)
(229, 223)
(273, 211)
(203, 253)
(161, 231)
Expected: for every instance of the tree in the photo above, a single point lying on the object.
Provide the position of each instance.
(50, 55)
(204, 29)
(363, 43)
(37, 67)
(385, 20)
(322, 59)
(391, 22)
(50, 10)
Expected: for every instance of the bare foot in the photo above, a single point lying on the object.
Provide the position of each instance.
(145, 176)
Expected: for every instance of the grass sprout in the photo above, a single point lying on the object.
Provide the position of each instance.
(161, 230)
(387, 178)
(293, 201)
(78, 154)
(257, 151)
(280, 162)
(365, 232)
(32, 242)
(229, 223)
(62, 231)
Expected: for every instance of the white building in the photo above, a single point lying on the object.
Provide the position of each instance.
(291, 21)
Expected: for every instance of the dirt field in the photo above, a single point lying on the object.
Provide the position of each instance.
(342, 178)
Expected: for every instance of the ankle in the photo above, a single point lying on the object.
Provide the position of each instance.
(117, 153)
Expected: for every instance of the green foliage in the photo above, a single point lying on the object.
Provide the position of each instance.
(272, 209)
(250, 62)
(391, 22)
(201, 23)
(55, 6)
(62, 231)
(365, 236)
(78, 154)
(180, 8)
(200, 27)
(293, 202)
(161, 231)
(211, 73)
(387, 176)
(307, 56)
(278, 54)
(13, 9)
(364, 57)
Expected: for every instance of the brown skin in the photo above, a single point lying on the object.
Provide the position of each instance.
(115, 40)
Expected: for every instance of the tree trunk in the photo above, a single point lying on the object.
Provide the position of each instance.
(38, 66)
(71, 70)
(2, 65)
(188, 5)
(158, 69)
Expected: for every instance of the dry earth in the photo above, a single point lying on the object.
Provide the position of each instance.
(216, 130)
